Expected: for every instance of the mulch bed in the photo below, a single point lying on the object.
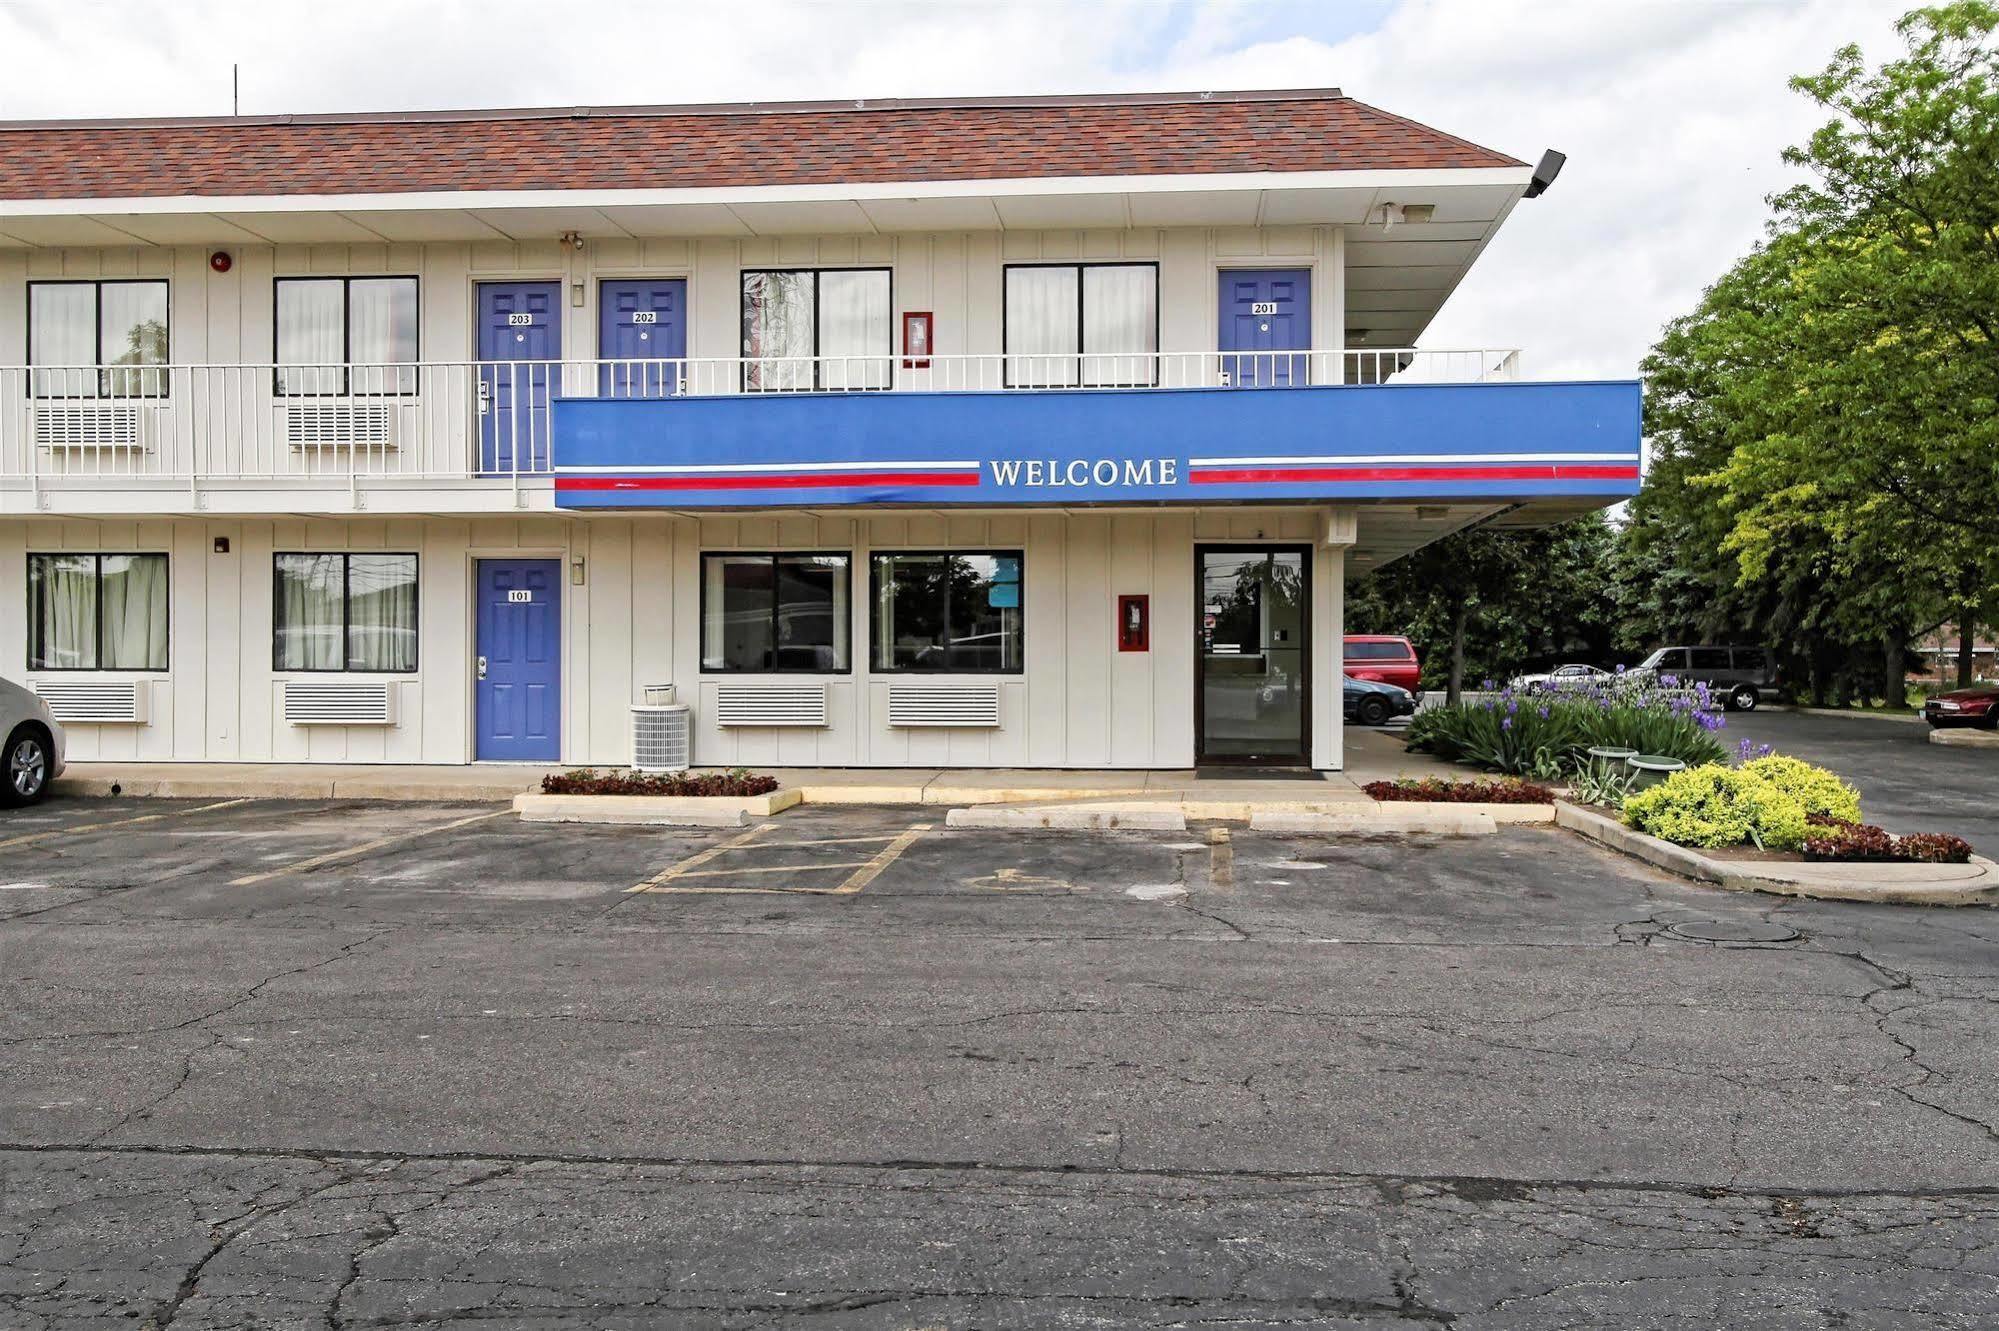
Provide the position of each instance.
(1437, 790)
(585, 781)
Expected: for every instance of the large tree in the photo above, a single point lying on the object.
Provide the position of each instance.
(1824, 423)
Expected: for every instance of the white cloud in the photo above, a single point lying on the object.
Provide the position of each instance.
(1673, 114)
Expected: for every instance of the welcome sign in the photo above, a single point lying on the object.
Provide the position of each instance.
(1098, 447)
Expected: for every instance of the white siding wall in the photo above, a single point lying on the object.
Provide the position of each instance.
(635, 621)
(224, 318)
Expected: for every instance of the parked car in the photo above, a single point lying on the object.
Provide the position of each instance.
(1561, 677)
(1739, 676)
(33, 754)
(1387, 659)
(1369, 702)
(1975, 706)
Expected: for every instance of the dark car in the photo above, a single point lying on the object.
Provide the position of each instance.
(1975, 706)
(1739, 676)
(1369, 702)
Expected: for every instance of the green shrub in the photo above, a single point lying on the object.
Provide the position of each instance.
(1714, 805)
(1547, 735)
(1820, 791)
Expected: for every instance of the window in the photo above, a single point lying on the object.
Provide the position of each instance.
(958, 612)
(342, 335)
(344, 612)
(808, 328)
(1751, 658)
(1094, 325)
(93, 335)
(1377, 651)
(1710, 658)
(774, 612)
(97, 612)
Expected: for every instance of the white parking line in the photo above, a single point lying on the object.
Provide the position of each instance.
(335, 856)
(116, 822)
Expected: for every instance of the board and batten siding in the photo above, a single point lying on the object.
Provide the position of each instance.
(228, 318)
(634, 620)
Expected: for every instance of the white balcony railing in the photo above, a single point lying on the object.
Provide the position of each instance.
(453, 420)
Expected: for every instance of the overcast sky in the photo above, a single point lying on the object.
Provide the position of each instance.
(1672, 112)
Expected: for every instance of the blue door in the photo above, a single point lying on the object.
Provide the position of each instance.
(517, 702)
(520, 333)
(1265, 313)
(639, 324)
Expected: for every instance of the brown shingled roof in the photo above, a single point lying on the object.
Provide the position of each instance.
(684, 147)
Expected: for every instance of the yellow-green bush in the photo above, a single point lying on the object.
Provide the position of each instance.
(1820, 791)
(1715, 805)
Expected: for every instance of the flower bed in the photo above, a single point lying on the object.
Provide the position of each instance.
(1839, 839)
(1548, 735)
(588, 781)
(1437, 790)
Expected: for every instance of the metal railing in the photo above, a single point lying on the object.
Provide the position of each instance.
(439, 420)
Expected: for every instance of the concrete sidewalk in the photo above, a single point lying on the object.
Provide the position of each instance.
(1370, 755)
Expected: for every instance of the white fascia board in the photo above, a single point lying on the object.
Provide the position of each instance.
(1516, 176)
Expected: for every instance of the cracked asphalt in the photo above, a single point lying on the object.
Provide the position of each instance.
(332, 1064)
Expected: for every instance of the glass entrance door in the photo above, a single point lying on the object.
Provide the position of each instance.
(1252, 691)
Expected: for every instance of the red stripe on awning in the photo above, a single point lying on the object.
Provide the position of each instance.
(1299, 475)
(770, 481)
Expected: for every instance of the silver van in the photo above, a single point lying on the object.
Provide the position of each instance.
(1739, 676)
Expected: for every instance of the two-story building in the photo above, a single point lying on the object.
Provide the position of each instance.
(1036, 432)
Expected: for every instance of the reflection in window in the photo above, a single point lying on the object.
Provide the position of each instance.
(344, 612)
(101, 334)
(812, 328)
(97, 612)
(774, 612)
(947, 612)
(338, 335)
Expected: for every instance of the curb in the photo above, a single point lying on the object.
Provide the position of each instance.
(1966, 737)
(1980, 888)
(1444, 820)
(1851, 714)
(1072, 819)
(174, 787)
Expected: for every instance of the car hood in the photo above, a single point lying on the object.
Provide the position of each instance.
(1371, 686)
(1976, 693)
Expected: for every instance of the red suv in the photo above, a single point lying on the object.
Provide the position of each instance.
(1377, 657)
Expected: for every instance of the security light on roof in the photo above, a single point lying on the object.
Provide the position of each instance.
(1392, 213)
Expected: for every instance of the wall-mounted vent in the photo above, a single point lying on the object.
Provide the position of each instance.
(85, 425)
(340, 425)
(340, 702)
(770, 704)
(943, 704)
(104, 702)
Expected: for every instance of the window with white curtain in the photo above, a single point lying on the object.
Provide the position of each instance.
(1094, 325)
(342, 335)
(98, 339)
(97, 612)
(344, 612)
(823, 328)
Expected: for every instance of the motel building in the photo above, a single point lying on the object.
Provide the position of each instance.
(1007, 432)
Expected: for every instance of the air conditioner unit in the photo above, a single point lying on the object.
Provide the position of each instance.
(95, 701)
(67, 425)
(340, 425)
(770, 704)
(662, 732)
(944, 705)
(340, 702)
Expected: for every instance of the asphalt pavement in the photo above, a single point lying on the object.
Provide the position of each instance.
(340, 1065)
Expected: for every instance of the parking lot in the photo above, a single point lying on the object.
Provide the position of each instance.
(347, 1064)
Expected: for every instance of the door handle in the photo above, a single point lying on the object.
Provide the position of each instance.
(482, 667)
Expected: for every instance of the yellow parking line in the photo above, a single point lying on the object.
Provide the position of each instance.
(116, 822)
(773, 868)
(868, 872)
(697, 859)
(334, 856)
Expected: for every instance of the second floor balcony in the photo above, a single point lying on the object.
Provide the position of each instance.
(178, 437)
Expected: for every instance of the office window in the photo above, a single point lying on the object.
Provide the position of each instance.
(956, 612)
(341, 335)
(816, 328)
(344, 612)
(101, 335)
(97, 612)
(1093, 325)
(774, 612)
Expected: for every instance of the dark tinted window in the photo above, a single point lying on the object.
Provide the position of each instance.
(1710, 658)
(947, 612)
(1377, 651)
(774, 612)
(1751, 658)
